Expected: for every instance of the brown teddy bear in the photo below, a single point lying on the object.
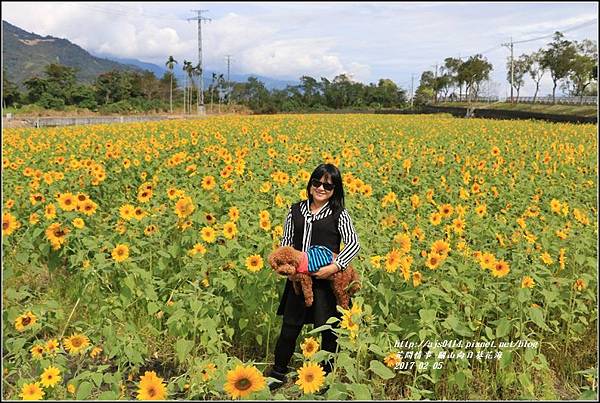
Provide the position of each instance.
(285, 260)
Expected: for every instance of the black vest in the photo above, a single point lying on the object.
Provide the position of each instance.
(324, 231)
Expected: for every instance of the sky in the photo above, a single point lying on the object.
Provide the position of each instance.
(286, 40)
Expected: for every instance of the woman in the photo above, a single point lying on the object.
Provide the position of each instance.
(320, 220)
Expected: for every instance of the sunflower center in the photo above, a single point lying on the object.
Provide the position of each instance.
(151, 391)
(76, 342)
(243, 384)
(5, 225)
(309, 377)
(26, 321)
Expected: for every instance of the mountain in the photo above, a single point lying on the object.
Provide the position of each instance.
(25, 54)
(159, 71)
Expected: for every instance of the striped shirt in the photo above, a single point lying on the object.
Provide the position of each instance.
(318, 256)
(345, 228)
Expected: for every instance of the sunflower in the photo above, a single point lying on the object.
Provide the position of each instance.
(481, 210)
(150, 229)
(50, 377)
(67, 201)
(78, 223)
(349, 318)
(88, 207)
(208, 234)
(32, 391)
(52, 346)
(144, 195)
(310, 377)
(25, 320)
(229, 230)
(76, 343)
(403, 240)
(208, 182)
(579, 285)
(527, 282)
(264, 215)
(151, 387)
(127, 212)
(37, 351)
(433, 260)
(458, 225)
(210, 218)
(34, 218)
(487, 261)
(120, 253)
(392, 359)
(446, 210)
(309, 347)
(441, 248)
(254, 263)
(9, 224)
(184, 207)
(435, 218)
(198, 248)
(417, 279)
(265, 224)
(500, 269)
(95, 352)
(392, 260)
(71, 388)
(207, 372)
(546, 258)
(242, 381)
(234, 214)
(56, 235)
(36, 198)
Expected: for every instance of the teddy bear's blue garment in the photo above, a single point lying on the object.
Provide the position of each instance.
(318, 256)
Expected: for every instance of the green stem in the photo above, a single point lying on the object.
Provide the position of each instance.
(72, 312)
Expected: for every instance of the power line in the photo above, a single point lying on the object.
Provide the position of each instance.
(566, 30)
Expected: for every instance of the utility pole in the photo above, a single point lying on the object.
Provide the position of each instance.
(199, 18)
(435, 85)
(228, 82)
(511, 67)
(412, 94)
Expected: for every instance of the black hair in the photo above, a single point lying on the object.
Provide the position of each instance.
(329, 171)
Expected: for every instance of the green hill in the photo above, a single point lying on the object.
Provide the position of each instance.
(26, 54)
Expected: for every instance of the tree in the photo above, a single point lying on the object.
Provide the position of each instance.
(452, 67)
(474, 71)
(424, 92)
(520, 67)
(584, 69)
(10, 92)
(536, 69)
(558, 59)
(171, 62)
(187, 68)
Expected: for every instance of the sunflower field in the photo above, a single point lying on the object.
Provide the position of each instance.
(135, 258)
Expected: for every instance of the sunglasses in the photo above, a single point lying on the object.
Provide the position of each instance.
(317, 184)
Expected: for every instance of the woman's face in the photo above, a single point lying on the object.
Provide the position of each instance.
(318, 191)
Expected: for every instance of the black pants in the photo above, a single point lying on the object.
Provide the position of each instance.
(286, 345)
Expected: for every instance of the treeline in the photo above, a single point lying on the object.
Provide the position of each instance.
(323, 95)
(125, 92)
(112, 92)
(572, 65)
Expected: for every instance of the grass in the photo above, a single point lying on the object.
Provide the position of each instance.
(577, 110)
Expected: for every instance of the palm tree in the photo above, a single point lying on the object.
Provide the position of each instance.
(185, 69)
(212, 88)
(170, 64)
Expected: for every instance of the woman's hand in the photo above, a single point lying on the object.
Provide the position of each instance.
(326, 271)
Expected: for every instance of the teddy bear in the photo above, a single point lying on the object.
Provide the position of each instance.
(286, 261)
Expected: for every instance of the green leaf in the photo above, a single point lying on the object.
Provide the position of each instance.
(503, 328)
(152, 307)
(537, 317)
(460, 379)
(183, 347)
(381, 370)
(243, 322)
(84, 390)
(506, 359)
(360, 392)
(108, 395)
(427, 315)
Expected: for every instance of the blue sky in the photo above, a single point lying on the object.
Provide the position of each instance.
(285, 40)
